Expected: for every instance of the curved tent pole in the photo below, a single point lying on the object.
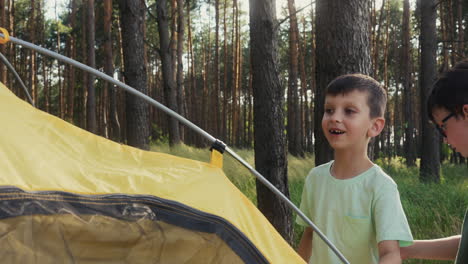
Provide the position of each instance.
(18, 78)
(186, 122)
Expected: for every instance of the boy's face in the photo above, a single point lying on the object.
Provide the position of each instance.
(346, 121)
(455, 128)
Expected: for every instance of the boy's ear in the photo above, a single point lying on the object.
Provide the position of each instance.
(465, 110)
(377, 127)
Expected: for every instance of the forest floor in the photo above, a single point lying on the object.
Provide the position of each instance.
(433, 210)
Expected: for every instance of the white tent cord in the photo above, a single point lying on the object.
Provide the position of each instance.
(186, 122)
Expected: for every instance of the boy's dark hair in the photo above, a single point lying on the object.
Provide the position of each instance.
(376, 94)
(450, 91)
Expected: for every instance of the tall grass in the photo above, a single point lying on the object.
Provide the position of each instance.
(433, 210)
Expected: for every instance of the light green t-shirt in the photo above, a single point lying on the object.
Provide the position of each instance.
(354, 214)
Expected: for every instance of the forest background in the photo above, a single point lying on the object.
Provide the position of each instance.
(251, 78)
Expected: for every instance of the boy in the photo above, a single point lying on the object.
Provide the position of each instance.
(448, 109)
(353, 202)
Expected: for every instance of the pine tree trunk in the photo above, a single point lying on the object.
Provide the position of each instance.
(3, 23)
(191, 84)
(235, 62)
(91, 96)
(137, 114)
(344, 48)
(216, 93)
(109, 70)
(46, 86)
(410, 147)
(304, 87)
(461, 30)
(294, 118)
(11, 16)
(270, 142)
(83, 92)
(180, 64)
(224, 131)
(385, 149)
(250, 118)
(170, 89)
(239, 82)
(313, 88)
(430, 161)
(445, 41)
(451, 31)
(32, 58)
(376, 43)
(71, 69)
(205, 93)
(397, 121)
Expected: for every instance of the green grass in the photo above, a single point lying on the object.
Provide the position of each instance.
(433, 210)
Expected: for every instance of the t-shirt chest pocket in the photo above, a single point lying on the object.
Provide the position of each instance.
(356, 230)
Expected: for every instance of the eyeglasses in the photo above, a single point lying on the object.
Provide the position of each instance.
(441, 128)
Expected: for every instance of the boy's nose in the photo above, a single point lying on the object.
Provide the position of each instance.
(336, 117)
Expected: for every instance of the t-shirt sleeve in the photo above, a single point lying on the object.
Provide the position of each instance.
(305, 203)
(390, 219)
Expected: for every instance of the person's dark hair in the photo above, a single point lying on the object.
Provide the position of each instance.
(450, 91)
(376, 95)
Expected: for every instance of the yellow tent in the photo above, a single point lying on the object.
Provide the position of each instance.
(69, 196)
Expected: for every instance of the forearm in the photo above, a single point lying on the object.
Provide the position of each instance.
(305, 245)
(439, 249)
(390, 258)
(389, 252)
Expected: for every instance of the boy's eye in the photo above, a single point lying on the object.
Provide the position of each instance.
(349, 111)
(328, 110)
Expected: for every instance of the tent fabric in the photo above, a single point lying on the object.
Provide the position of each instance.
(67, 194)
(107, 240)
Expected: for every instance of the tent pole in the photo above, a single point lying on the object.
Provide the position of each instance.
(18, 78)
(186, 122)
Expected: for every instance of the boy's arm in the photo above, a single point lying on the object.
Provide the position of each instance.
(441, 249)
(305, 245)
(389, 252)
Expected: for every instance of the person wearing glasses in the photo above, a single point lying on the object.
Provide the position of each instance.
(448, 111)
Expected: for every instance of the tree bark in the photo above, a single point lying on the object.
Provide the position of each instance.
(444, 34)
(397, 121)
(224, 130)
(235, 80)
(192, 84)
(461, 31)
(71, 69)
(313, 88)
(83, 75)
(137, 114)
(217, 121)
(269, 146)
(410, 147)
(451, 31)
(430, 161)
(91, 98)
(294, 111)
(343, 42)
(170, 89)
(33, 61)
(3, 23)
(376, 44)
(302, 45)
(180, 64)
(109, 70)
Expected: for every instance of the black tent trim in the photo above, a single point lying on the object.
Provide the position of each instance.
(15, 202)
